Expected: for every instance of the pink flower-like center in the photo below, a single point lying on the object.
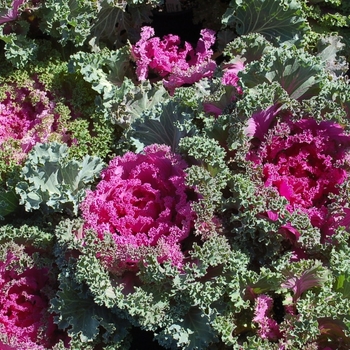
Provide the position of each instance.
(24, 307)
(304, 160)
(303, 176)
(142, 201)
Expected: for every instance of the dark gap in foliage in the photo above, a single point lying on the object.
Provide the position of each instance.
(34, 28)
(176, 23)
(278, 309)
(143, 340)
(187, 243)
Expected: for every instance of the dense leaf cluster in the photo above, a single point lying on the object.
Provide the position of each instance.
(260, 267)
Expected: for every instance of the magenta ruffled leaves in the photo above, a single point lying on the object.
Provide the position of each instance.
(28, 115)
(168, 58)
(13, 13)
(142, 202)
(230, 75)
(267, 327)
(230, 84)
(25, 318)
(259, 123)
(245, 245)
(305, 160)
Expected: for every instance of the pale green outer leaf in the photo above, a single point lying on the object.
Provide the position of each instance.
(77, 310)
(274, 19)
(145, 98)
(7, 38)
(18, 49)
(87, 172)
(159, 125)
(26, 234)
(106, 24)
(114, 24)
(51, 182)
(299, 73)
(202, 334)
(192, 332)
(296, 79)
(51, 179)
(106, 71)
(251, 47)
(67, 20)
(328, 51)
(33, 201)
(69, 174)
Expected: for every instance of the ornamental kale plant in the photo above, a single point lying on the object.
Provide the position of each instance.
(29, 114)
(176, 65)
(306, 161)
(142, 201)
(25, 292)
(43, 104)
(174, 175)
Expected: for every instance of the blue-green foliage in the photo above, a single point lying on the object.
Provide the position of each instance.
(50, 180)
(166, 123)
(235, 251)
(179, 306)
(280, 20)
(68, 20)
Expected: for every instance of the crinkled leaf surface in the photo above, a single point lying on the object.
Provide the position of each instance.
(199, 323)
(105, 69)
(106, 24)
(107, 73)
(299, 73)
(328, 50)
(144, 99)
(52, 180)
(193, 332)
(251, 47)
(77, 311)
(162, 125)
(115, 22)
(275, 19)
(26, 234)
(67, 20)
